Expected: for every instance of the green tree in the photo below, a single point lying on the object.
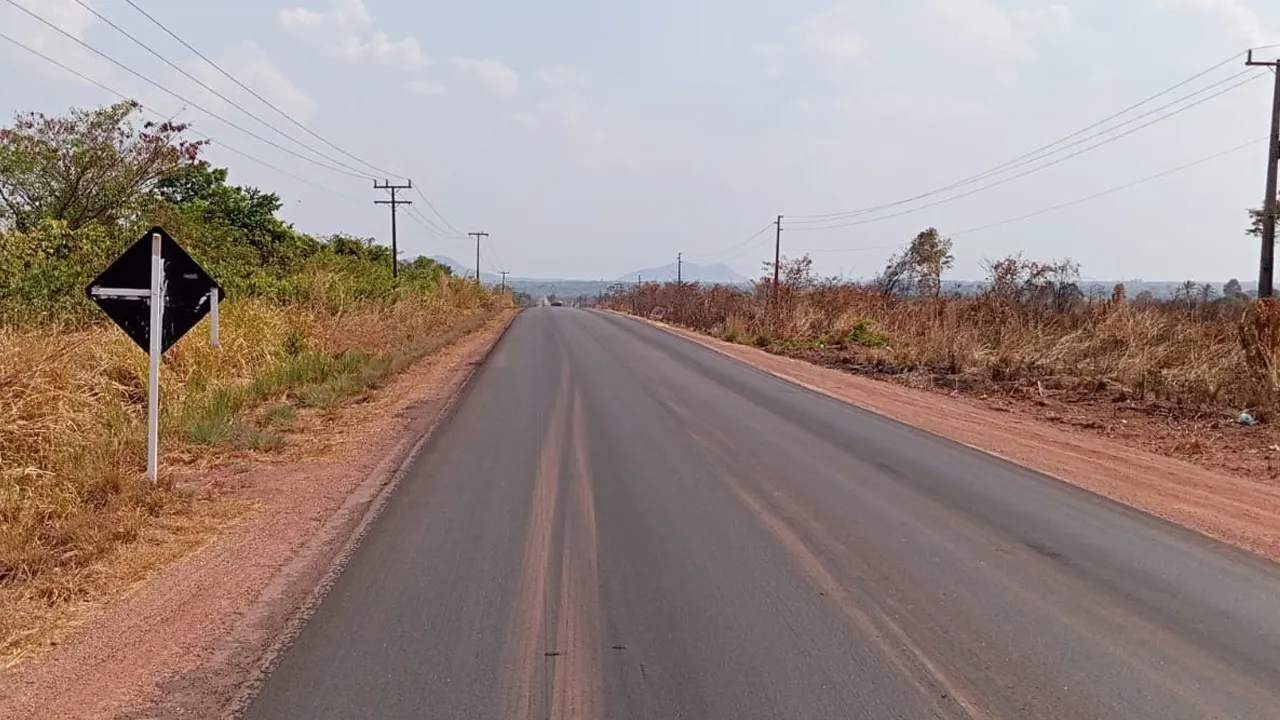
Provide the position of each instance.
(1255, 217)
(91, 166)
(930, 253)
(202, 192)
(1232, 289)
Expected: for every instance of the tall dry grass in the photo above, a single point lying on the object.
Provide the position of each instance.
(1224, 354)
(73, 412)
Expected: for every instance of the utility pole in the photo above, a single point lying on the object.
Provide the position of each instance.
(1266, 265)
(394, 203)
(679, 269)
(777, 255)
(504, 274)
(477, 236)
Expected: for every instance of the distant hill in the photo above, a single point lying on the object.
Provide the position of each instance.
(692, 272)
(462, 270)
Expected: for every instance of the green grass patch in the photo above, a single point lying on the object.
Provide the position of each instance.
(865, 334)
(211, 422)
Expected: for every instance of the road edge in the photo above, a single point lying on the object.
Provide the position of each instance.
(348, 528)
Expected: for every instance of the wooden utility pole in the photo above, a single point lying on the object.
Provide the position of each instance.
(477, 236)
(777, 255)
(1266, 265)
(394, 203)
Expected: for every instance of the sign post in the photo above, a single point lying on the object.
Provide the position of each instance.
(177, 295)
(156, 332)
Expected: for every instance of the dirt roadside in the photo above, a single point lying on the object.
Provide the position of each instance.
(1235, 509)
(184, 643)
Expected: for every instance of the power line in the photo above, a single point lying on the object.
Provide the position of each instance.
(714, 256)
(197, 133)
(489, 258)
(491, 254)
(429, 204)
(1070, 203)
(1112, 191)
(1036, 169)
(431, 227)
(217, 94)
(1038, 151)
(166, 90)
(254, 93)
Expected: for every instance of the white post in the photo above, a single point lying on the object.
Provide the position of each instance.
(157, 344)
(213, 317)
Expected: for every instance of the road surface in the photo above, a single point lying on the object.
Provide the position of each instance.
(619, 523)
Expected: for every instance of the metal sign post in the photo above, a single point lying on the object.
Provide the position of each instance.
(178, 294)
(157, 340)
(213, 319)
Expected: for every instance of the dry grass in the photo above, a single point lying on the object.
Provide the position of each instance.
(78, 520)
(1224, 355)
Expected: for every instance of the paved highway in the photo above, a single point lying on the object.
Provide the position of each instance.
(619, 523)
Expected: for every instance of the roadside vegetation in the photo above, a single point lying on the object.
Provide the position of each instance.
(1030, 330)
(311, 323)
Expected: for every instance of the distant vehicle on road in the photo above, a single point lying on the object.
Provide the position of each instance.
(557, 303)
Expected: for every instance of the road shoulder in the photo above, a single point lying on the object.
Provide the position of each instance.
(1237, 510)
(185, 642)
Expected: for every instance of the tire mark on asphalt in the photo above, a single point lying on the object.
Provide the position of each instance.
(524, 665)
(578, 686)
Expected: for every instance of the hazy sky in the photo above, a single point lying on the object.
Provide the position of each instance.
(592, 138)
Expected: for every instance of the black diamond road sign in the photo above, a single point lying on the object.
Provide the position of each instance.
(187, 289)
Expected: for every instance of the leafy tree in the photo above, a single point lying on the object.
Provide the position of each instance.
(1232, 289)
(1255, 216)
(202, 192)
(917, 267)
(931, 255)
(91, 166)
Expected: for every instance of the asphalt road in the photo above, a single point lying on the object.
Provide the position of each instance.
(619, 523)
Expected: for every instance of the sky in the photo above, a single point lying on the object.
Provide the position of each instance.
(593, 138)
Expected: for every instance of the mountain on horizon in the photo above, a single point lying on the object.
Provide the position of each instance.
(692, 272)
(465, 270)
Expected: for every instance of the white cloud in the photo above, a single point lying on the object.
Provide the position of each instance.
(351, 13)
(425, 87)
(494, 73)
(997, 30)
(300, 17)
(832, 33)
(1242, 19)
(254, 67)
(382, 49)
(340, 28)
(342, 13)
